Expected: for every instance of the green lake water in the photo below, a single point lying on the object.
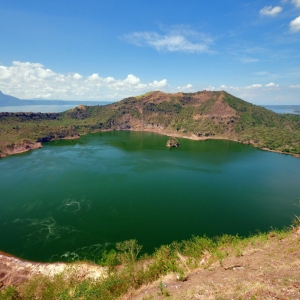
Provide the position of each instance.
(73, 198)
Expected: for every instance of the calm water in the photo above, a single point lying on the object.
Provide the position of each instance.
(284, 109)
(37, 108)
(71, 199)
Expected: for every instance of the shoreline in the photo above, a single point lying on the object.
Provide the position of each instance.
(204, 138)
(15, 270)
(255, 257)
(28, 146)
(22, 148)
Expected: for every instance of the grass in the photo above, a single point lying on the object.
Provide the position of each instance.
(128, 271)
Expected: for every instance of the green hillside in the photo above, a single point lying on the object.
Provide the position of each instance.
(198, 115)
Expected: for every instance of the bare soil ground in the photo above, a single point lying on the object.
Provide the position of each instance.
(267, 270)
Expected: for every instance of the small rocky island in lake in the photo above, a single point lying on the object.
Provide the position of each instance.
(172, 142)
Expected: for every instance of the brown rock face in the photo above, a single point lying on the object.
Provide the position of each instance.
(26, 146)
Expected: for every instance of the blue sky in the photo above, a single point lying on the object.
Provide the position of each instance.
(108, 50)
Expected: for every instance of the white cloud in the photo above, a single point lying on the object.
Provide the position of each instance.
(256, 85)
(77, 76)
(210, 88)
(131, 80)
(94, 77)
(295, 86)
(158, 84)
(185, 87)
(188, 86)
(176, 40)
(32, 80)
(295, 24)
(271, 11)
(296, 2)
(271, 84)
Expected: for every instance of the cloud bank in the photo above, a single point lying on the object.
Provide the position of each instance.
(28, 80)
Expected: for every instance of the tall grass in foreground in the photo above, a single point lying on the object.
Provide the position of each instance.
(127, 270)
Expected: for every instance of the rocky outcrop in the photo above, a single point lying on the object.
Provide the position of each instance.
(80, 112)
(20, 148)
(28, 145)
(172, 142)
(60, 135)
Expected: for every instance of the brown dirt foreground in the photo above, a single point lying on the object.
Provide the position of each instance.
(14, 271)
(267, 270)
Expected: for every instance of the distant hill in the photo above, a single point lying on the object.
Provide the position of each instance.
(6, 100)
(199, 116)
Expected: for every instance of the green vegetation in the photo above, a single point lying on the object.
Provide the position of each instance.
(265, 128)
(143, 95)
(203, 115)
(127, 271)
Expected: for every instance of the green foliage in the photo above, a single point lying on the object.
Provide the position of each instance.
(296, 222)
(129, 251)
(196, 246)
(109, 259)
(9, 293)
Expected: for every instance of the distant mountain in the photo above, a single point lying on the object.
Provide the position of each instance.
(6, 100)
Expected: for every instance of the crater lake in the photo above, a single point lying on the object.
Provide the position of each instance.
(72, 199)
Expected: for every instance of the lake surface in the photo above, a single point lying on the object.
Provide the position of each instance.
(71, 199)
(284, 109)
(37, 108)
